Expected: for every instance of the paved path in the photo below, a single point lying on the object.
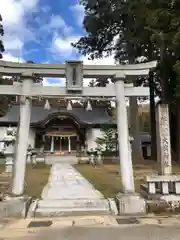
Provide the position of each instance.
(67, 193)
(65, 182)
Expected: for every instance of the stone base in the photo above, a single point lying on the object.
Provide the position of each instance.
(14, 207)
(158, 196)
(9, 169)
(131, 204)
(84, 159)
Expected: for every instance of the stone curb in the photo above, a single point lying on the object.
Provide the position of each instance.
(66, 222)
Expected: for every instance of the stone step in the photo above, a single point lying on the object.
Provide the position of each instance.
(61, 159)
(74, 203)
(56, 212)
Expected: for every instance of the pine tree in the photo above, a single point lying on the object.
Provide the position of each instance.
(108, 141)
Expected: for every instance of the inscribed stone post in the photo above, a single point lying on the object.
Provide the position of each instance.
(163, 140)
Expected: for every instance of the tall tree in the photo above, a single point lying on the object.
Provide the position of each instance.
(137, 28)
(164, 22)
(101, 82)
(4, 101)
(118, 27)
(1, 34)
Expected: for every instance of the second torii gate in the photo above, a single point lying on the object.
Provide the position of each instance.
(74, 72)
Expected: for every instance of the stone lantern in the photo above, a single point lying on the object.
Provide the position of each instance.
(9, 148)
(99, 157)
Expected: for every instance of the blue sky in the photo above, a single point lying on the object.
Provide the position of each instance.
(42, 31)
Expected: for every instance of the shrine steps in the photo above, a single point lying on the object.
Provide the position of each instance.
(73, 207)
(52, 159)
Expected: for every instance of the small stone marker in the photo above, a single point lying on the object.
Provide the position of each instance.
(163, 140)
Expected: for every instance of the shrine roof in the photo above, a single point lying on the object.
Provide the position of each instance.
(98, 115)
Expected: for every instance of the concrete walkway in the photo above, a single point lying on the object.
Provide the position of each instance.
(69, 183)
(131, 233)
(102, 227)
(69, 193)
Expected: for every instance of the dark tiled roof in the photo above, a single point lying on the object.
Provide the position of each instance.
(98, 115)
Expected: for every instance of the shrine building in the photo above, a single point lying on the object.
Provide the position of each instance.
(58, 130)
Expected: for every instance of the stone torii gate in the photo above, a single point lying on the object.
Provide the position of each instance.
(74, 72)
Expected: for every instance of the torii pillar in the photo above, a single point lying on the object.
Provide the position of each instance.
(22, 139)
(129, 201)
(123, 137)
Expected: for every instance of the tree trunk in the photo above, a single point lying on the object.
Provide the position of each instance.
(152, 118)
(163, 75)
(177, 158)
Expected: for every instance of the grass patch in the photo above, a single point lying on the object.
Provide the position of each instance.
(36, 178)
(107, 180)
(2, 168)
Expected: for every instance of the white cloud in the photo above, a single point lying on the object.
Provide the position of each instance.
(12, 44)
(63, 45)
(13, 11)
(78, 11)
(15, 22)
(10, 58)
(58, 23)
